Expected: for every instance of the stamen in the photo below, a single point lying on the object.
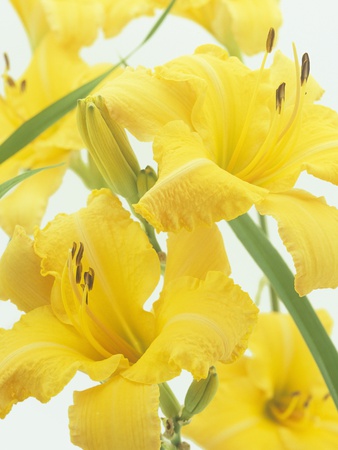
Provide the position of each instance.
(326, 396)
(78, 273)
(7, 65)
(10, 81)
(307, 401)
(270, 40)
(280, 97)
(248, 119)
(79, 254)
(89, 278)
(23, 85)
(74, 247)
(305, 71)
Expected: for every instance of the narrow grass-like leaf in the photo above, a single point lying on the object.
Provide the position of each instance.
(281, 278)
(33, 127)
(9, 184)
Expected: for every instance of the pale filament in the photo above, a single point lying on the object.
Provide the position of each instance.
(81, 315)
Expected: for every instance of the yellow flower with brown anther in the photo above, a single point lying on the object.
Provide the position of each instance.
(52, 73)
(240, 25)
(274, 399)
(227, 138)
(83, 284)
(76, 23)
(109, 147)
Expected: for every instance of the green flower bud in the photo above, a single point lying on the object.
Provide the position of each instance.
(109, 147)
(199, 395)
(146, 180)
(168, 402)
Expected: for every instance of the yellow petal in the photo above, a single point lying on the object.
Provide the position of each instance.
(214, 316)
(117, 414)
(33, 18)
(192, 190)
(20, 278)
(128, 101)
(75, 23)
(304, 221)
(26, 205)
(235, 418)
(40, 355)
(196, 253)
(126, 266)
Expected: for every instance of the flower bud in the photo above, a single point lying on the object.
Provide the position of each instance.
(199, 395)
(109, 147)
(146, 180)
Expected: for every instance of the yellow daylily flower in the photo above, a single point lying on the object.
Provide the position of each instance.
(274, 399)
(92, 318)
(52, 73)
(224, 143)
(76, 23)
(240, 25)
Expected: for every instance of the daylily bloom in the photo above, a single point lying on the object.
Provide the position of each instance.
(52, 73)
(276, 398)
(240, 25)
(76, 23)
(224, 142)
(83, 284)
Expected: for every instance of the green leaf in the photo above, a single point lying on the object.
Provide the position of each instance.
(282, 279)
(33, 127)
(9, 184)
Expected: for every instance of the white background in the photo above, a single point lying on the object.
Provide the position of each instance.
(312, 25)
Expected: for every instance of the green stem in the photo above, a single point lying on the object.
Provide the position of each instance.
(273, 297)
(280, 276)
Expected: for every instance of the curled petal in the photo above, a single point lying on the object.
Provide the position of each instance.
(214, 316)
(20, 278)
(40, 355)
(192, 190)
(304, 221)
(117, 414)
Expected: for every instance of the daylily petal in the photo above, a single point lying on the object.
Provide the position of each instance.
(303, 221)
(33, 18)
(117, 414)
(164, 105)
(214, 316)
(126, 266)
(19, 262)
(75, 23)
(236, 415)
(195, 254)
(26, 205)
(40, 355)
(294, 369)
(217, 194)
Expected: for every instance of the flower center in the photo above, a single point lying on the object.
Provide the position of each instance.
(294, 410)
(76, 287)
(278, 145)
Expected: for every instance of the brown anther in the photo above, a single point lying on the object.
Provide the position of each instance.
(86, 297)
(79, 254)
(307, 401)
(305, 70)
(327, 396)
(89, 278)
(270, 40)
(74, 247)
(10, 81)
(78, 273)
(23, 85)
(280, 97)
(295, 393)
(6, 58)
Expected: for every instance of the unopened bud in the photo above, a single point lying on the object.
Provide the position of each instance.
(146, 180)
(109, 147)
(199, 395)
